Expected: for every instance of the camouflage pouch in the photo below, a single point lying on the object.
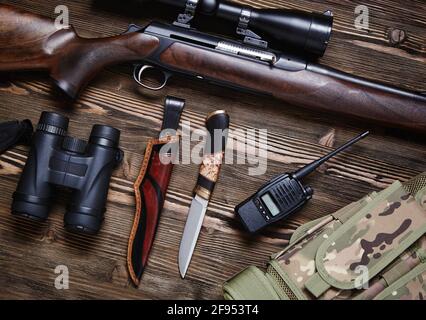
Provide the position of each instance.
(411, 286)
(358, 252)
(403, 279)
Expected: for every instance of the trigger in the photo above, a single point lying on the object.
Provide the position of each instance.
(167, 75)
(133, 28)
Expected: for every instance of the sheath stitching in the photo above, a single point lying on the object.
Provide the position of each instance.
(141, 226)
(138, 182)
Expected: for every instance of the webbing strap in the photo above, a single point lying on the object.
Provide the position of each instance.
(317, 285)
(395, 273)
(251, 284)
(416, 184)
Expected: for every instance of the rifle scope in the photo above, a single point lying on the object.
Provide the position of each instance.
(302, 31)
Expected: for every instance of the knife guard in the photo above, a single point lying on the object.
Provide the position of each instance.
(212, 160)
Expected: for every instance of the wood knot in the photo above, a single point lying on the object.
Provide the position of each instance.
(327, 140)
(397, 36)
(49, 236)
(9, 87)
(209, 231)
(126, 166)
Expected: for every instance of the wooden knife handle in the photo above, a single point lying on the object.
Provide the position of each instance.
(217, 124)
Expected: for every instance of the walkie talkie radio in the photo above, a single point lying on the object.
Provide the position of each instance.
(283, 195)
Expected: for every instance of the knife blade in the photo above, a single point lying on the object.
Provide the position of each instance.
(217, 124)
(192, 229)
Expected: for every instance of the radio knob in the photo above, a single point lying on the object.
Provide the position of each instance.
(309, 192)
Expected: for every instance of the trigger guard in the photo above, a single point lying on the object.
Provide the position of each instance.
(139, 70)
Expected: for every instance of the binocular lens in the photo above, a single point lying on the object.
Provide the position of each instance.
(105, 136)
(30, 207)
(82, 222)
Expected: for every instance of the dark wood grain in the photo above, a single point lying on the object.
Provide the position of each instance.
(31, 42)
(319, 91)
(30, 252)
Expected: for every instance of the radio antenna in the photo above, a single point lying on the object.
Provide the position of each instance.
(303, 172)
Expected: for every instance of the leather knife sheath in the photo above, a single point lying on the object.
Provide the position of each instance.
(150, 190)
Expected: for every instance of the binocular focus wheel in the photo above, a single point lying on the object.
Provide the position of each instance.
(54, 123)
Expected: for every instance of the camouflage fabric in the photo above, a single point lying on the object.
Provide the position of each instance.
(299, 261)
(412, 286)
(374, 248)
(374, 236)
(413, 290)
(409, 260)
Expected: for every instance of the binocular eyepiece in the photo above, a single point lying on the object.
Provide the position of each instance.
(306, 33)
(59, 160)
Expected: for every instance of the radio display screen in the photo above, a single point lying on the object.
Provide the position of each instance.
(270, 204)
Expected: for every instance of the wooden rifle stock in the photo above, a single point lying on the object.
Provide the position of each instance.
(317, 87)
(29, 42)
(32, 42)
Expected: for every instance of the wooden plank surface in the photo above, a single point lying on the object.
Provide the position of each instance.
(29, 252)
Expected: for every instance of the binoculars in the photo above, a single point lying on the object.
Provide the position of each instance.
(306, 33)
(59, 160)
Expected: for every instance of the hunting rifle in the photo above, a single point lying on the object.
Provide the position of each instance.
(32, 42)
